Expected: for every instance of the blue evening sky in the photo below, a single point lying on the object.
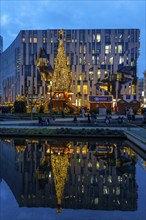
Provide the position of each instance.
(51, 14)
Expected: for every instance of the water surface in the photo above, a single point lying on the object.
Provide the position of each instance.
(71, 179)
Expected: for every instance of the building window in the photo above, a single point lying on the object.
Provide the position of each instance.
(105, 73)
(121, 60)
(98, 59)
(80, 77)
(85, 49)
(35, 40)
(84, 89)
(23, 39)
(78, 88)
(119, 48)
(44, 40)
(84, 59)
(93, 59)
(98, 74)
(107, 49)
(98, 37)
(93, 37)
(111, 60)
(116, 49)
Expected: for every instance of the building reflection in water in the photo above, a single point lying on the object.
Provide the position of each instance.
(70, 174)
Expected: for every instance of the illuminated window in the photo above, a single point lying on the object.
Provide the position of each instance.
(23, 39)
(107, 49)
(96, 201)
(84, 150)
(80, 102)
(84, 89)
(119, 48)
(111, 60)
(98, 37)
(98, 60)
(121, 59)
(119, 179)
(82, 188)
(89, 164)
(85, 49)
(97, 165)
(84, 60)
(93, 59)
(133, 89)
(92, 180)
(104, 87)
(129, 90)
(85, 102)
(132, 63)
(93, 37)
(35, 40)
(78, 150)
(50, 175)
(44, 40)
(80, 60)
(105, 73)
(119, 77)
(118, 191)
(80, 77)
(116, 49)
(98, 73)
(109, 179)
(105, 190)
(78, 88)
(30, 40)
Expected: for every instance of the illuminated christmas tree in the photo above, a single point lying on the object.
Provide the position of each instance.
(61, 80)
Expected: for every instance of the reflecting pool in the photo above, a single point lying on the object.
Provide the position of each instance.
(71, 179)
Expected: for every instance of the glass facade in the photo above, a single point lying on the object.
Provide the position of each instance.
(99, 49)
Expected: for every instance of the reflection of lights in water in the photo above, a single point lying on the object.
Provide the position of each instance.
(58, 157)
(20, 148)
(89, 164)
(7, 140)
(60, 164)
(97, 165)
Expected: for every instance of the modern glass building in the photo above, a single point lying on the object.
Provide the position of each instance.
(94, 54)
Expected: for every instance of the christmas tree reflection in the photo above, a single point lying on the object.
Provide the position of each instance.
(59, 159)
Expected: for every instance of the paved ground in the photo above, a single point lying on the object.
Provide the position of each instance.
(132, 126)
(81, 123)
